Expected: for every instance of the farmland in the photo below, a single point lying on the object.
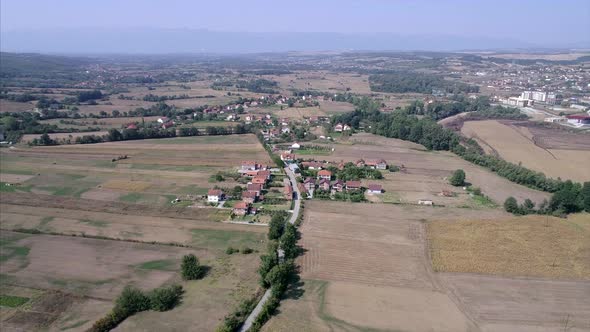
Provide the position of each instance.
(551, 151)
(397, 290)
(88, 209)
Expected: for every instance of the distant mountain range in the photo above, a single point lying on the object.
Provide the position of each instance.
(162, 41)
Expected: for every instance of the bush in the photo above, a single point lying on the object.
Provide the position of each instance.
(458, 178)
(231, 250)
(131, 301)
(511, 205)
(247, 250)
(191, 269)
(165, 298)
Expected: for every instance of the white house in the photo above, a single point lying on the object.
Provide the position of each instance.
(295, 146)
(215, 196)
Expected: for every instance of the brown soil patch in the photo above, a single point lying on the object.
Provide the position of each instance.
(14, 178)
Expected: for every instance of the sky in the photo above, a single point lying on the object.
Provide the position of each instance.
(539, 22)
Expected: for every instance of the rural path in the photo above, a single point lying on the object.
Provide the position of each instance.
(297, 198)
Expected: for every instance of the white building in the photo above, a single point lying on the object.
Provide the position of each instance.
(534, 96)
(215, 196)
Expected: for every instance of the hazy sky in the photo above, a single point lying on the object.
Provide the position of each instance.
(535, 20)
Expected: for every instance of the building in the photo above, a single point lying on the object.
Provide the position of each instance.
(360, 163)
(312, 165)
(325, 174)
(338, 185)
(287, 157)
(309, 184)
(249, 197)
(163, 119)
(341, 127)
(375, 189)
(536, 96)
(515, 101)
(259, 180)
(353, 185)
(295, 146)
(249, 165)
(425, 202)
(215, 196)
(256, 188)
(557, 119)
(377, 164)
(324, 184)
(578, 120)
(241, 208)
(288, 192)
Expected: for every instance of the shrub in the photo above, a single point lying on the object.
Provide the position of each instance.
(191, 269)
(165, 298)
(511, 205)
(247, 250)
(231, 250)
(458, 178)
(131, 301)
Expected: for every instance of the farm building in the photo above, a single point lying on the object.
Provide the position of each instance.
(215, 195)
(241, 208)
(353, 185)
(377, 164)
(425, 202)
(375, 189)
(324, 174)
(341, 127)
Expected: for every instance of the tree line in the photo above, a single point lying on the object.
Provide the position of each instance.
(406, 82)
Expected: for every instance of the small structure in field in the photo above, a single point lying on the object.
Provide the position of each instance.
(425, 202)
(295, 146)
(215, 195)
(375, 189)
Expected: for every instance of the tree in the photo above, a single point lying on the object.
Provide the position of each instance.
(528, 206)
(511, 205)
(288, 241)
(191, 269)
(586, 196)
(46, 140)
(267, 262)
(114, 135)
(458, 178)
(276, 226)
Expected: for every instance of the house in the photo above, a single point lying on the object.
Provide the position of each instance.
(132, 126)
(259, 180)
(249, 165)
(375, 189)
(288, 192)
(254, 187)
(338, 185)
(309, 184)
(360, 163)
(215, 196)
(425, 202)
(338, 127)
(285, 130)
(295, 146)
(163, 120)
(241, 208)
(264, 173)
(324, 184)
(377, 164)
(325, 174)
(249, 197)
(312, 165)
(353, 185)
(168, 124)
(287, 157)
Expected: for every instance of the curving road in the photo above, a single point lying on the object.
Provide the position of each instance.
(297, 199)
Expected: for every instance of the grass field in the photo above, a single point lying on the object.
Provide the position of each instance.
(519, 144)
(534, 246)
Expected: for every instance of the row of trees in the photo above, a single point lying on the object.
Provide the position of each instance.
(571, 197)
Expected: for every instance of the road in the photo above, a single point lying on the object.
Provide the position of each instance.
(297, 199)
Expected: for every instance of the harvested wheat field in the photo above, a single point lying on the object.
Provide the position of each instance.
(532, 246)
(543, 150)
(152, 172)
(426, 172)
(367, 268)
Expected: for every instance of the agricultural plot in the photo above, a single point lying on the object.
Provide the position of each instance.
(155, 171)
(425, 174)
(9, 106)
(323, 81)
(551, 151)
(104, 124)
(367, 268)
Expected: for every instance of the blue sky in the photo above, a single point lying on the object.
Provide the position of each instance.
(540, 21)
